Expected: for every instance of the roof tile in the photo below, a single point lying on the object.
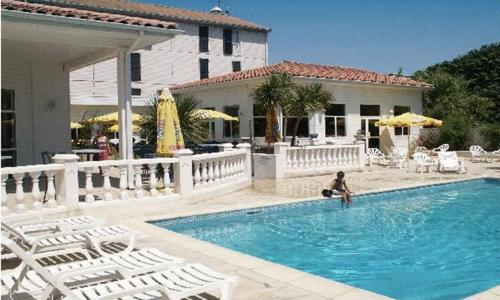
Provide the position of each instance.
(311, 71)
(82, 14)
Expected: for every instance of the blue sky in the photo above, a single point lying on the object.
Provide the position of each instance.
(378, 35)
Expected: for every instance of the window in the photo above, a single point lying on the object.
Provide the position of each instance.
(135, 64)
(259, 121)
(227, 35)
(335, 120)
(302, 131)
(8, 127)
(232, 128)
(236, 42)
(236, 66)
(370, 110)
(399, 110)
(203, 68)
(136, 92)
(210, 126)
(203, 33)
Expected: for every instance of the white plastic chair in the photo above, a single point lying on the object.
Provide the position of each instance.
(443, 147)
(374, 153)
(174, 283)
(57, 225)
(399, 157)
(448, 161)
(477, 152)
(423, 161)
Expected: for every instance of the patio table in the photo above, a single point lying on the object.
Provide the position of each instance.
(88, 152)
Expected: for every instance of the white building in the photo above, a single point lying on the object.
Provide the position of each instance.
(41, 45)
(360, 98)
(211, 44)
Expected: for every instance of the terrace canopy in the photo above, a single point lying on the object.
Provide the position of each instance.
(41, 45)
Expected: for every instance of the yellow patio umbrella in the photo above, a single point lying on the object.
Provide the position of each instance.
(116, 128)
(409, 120)
(210, 115)
(168, 135)
(75, 125)
(113, 118)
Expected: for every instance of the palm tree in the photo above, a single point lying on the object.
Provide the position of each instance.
(193, 128)
(308, 99)
(276, 91)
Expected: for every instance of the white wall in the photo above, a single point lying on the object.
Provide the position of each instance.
(42, 106)
(350, 94)
(172, 62)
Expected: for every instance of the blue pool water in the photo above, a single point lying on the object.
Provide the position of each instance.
(435, 242)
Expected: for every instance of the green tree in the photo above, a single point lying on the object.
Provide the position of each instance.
(308, 99)
(276, 91)
(193, 128)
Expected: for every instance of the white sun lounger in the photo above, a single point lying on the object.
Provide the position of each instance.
(56, 225)
(448, 161)
(89, 238)
(174, 283)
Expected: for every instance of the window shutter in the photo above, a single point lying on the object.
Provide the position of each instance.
(135, 64)
(228, 41)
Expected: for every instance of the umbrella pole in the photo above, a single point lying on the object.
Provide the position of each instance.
(409, 140)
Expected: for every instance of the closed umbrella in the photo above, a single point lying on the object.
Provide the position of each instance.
(169, 135)
(409, 120)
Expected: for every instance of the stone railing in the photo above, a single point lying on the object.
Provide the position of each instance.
(33, 188)
(310, 160)
(155, 171)
(71, 184)
(229, 170)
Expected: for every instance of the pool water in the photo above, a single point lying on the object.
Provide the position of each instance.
(434, 242)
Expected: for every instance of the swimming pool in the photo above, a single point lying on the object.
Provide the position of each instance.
(433, 242)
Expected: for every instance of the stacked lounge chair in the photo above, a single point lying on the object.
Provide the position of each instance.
(129, 274)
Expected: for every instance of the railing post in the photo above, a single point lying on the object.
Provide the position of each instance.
(226, 147)
(361, 156)
(67, 180)
(183, 173)
(280, 151)
(248, 159)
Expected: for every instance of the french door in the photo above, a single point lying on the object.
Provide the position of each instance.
(372, 132)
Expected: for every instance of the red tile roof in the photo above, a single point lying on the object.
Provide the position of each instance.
(82, 14)
(311, 71)
(160, 12)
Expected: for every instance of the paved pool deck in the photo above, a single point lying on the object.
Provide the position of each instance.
(260, 279)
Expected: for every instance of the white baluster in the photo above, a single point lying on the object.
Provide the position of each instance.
(231, 168)
(336, 156)
(197, 175)
(166, 177)
(341, 157)
(323, 157)
(217, 171)
(315, 158)
(139, 192)
(123, 183)
(204, 174)
(210, 172)
(293, 152)
(329, 157)
(20, 206)
(223, 172)
(35, 191)
(300, 158)
(89, 188)
(106, 183)
(51, 189)
(5, 208)
(289, 158)
(153, 181)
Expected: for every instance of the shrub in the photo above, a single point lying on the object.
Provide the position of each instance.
(491, 134)
(455, 132)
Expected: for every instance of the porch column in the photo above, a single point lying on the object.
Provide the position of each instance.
(125, 110)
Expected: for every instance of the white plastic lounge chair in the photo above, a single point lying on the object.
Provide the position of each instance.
(448, 161)
(442, 148)
(89, 238)
(175, 283)
(423, 161)
(477, 152)
(374, 153)
(56, 225)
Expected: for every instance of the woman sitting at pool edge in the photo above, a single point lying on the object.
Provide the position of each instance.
(339, 187)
